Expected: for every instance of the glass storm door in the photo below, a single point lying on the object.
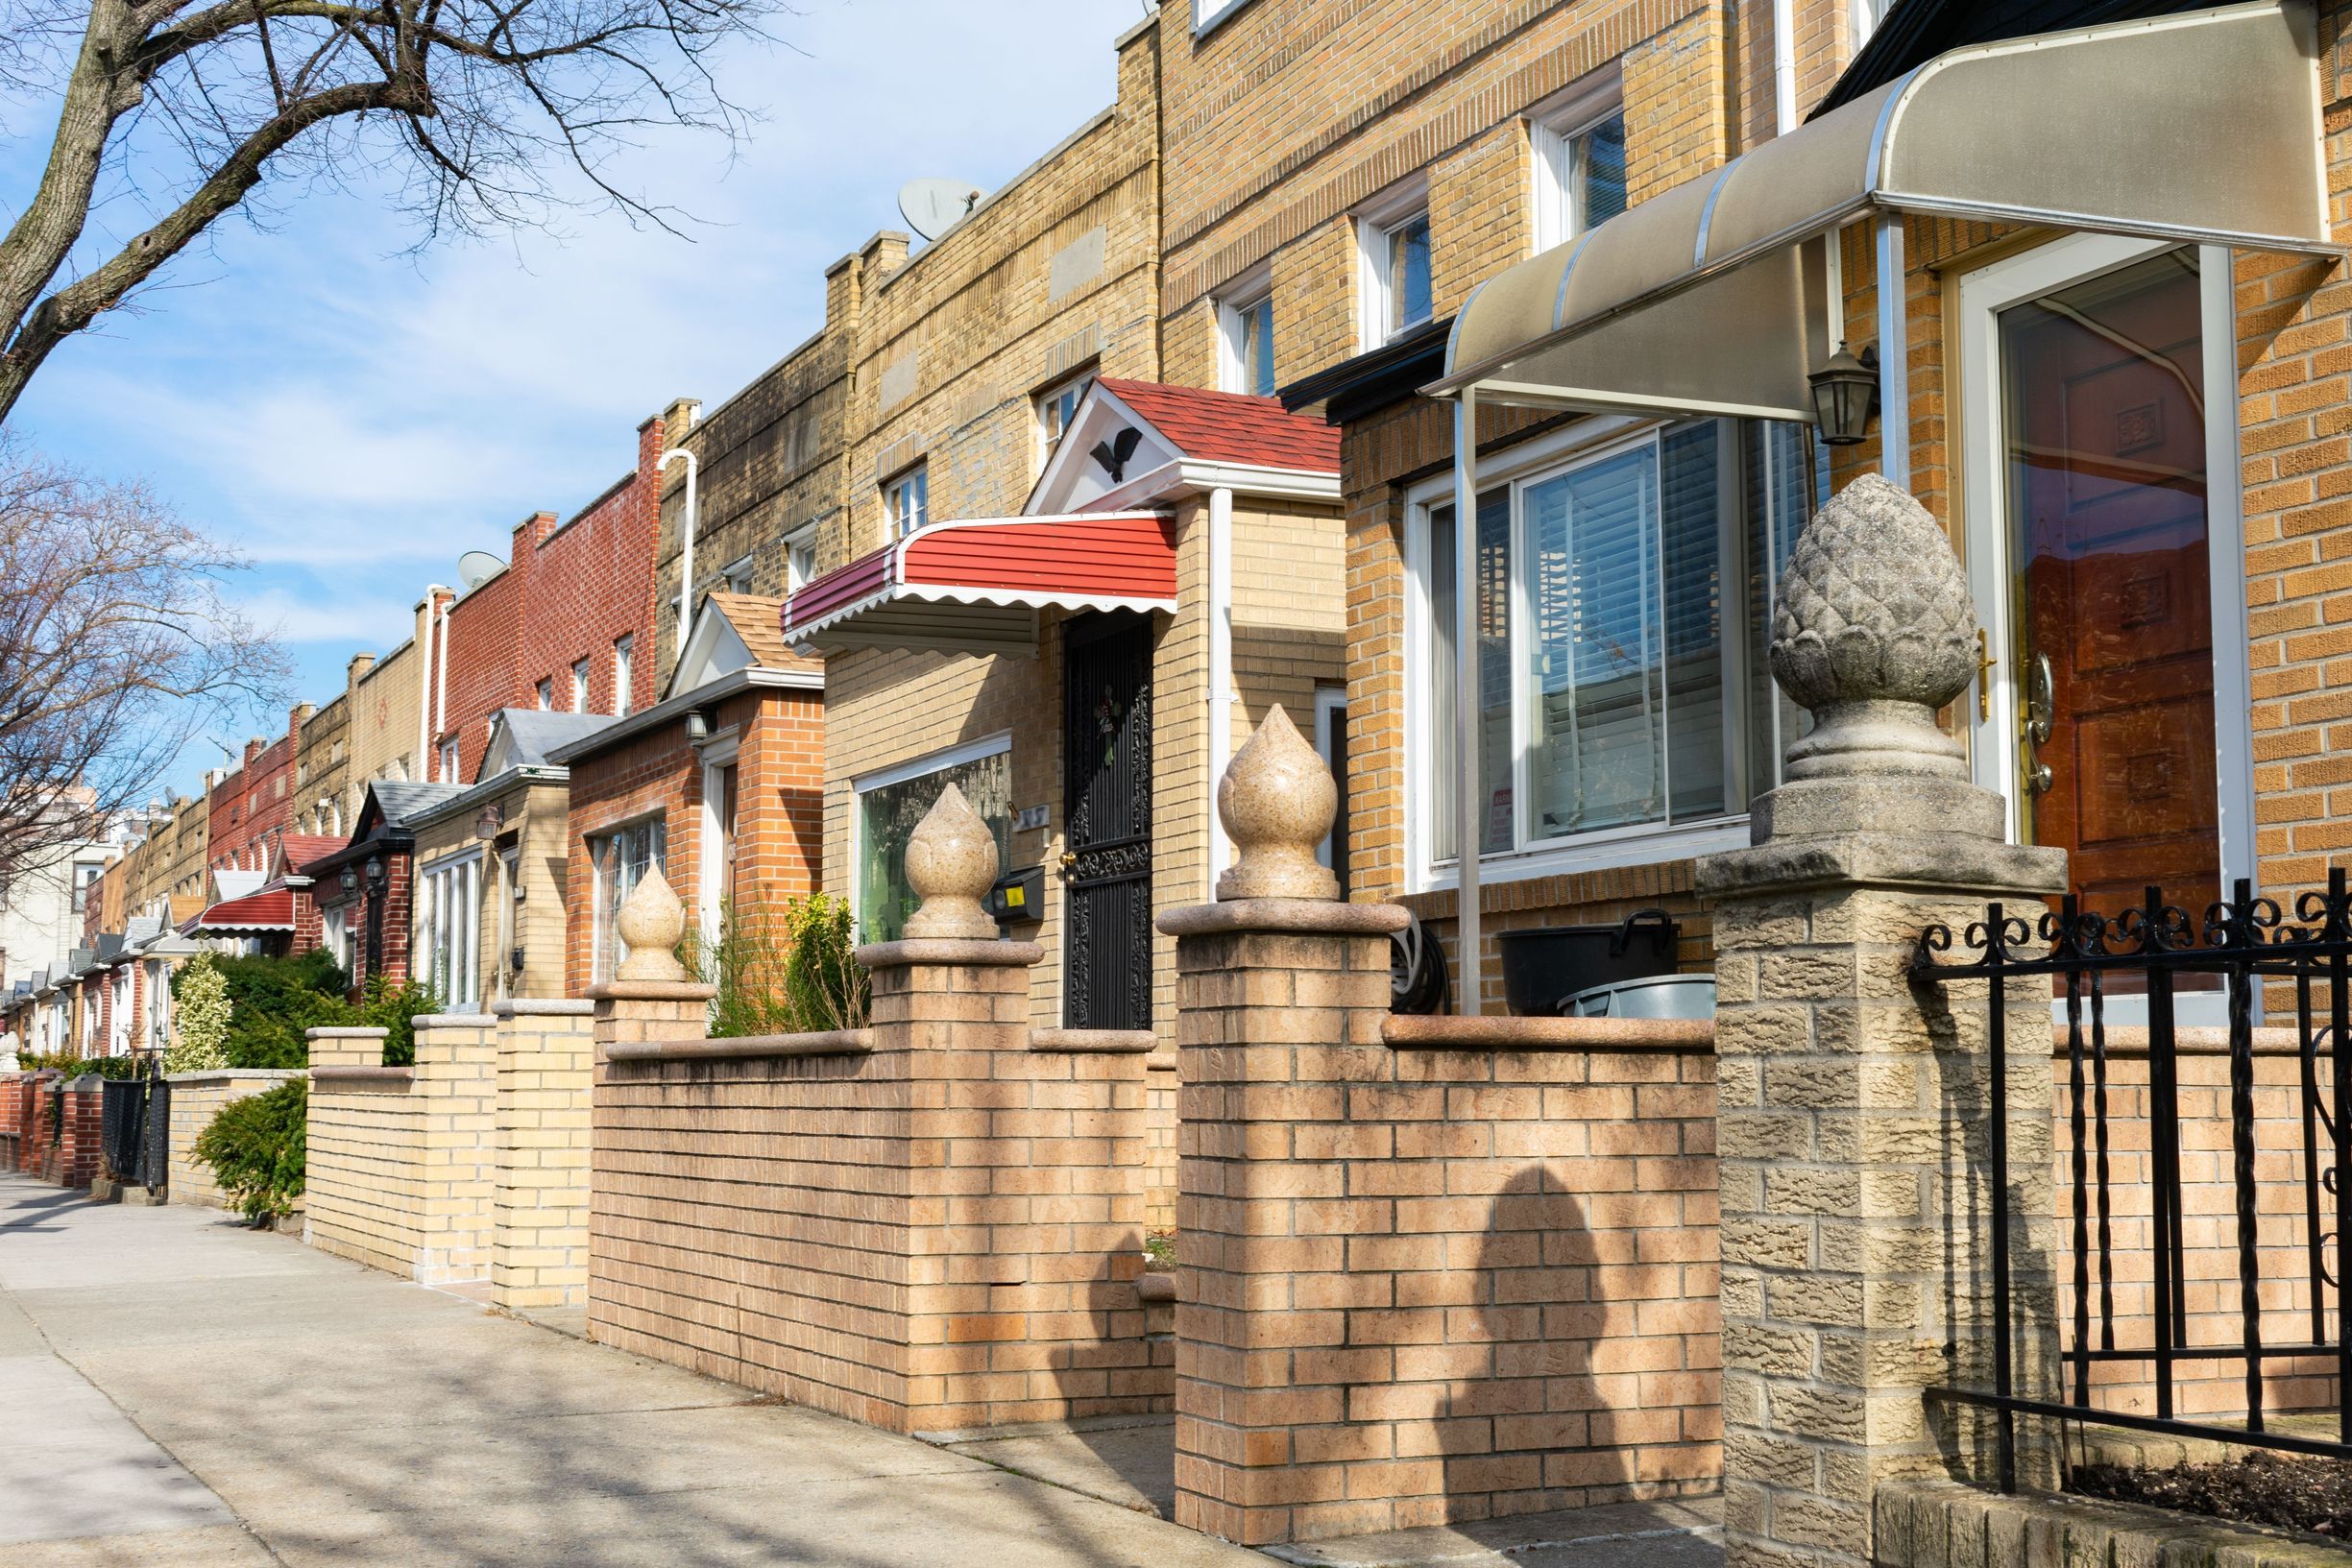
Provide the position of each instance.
(2110, 646)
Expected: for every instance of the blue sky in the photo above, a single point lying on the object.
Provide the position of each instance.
(353, 417)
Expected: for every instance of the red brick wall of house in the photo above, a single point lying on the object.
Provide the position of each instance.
(250, 807)
(569, 590)
(780, 786)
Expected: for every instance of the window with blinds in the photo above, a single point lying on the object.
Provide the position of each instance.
(1623, 604)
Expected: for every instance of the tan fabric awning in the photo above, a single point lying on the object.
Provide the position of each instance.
(2202, 126)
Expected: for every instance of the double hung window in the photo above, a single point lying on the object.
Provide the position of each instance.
(620, 859)
(1399, 293)
(906, 500)
(1248, 329)
(579, 685)
(800, 558)
(1055, 408)
(1580, 166)
(1622, 603)
(624, 672)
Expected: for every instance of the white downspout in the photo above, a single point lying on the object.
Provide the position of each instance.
(686, 561)
(1784, 67)
(1220, 673)
(424, 683)
(441, 680)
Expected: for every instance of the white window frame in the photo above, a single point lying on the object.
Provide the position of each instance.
(1330, 739)
(913, 481)
(544, 693)
(1376, 222)
(599, 844)
(624, 669)
(1209, 14)
(451, 909)
(710, 874)
(447, 760)
(799, 558)
(1633, 844)
(1041, 404)
(1554, 128)
(735, 575)
(1253, 290)
(1984, 509)
(970, 751)
(579, 685)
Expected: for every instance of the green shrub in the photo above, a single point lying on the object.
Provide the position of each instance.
(254, 1147)
(789, 971)
(272, 1001)
(394, 1009)
(73, 1067)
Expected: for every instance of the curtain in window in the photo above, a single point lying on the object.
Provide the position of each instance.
(621, 858)
(888, 815)
(1600, 167)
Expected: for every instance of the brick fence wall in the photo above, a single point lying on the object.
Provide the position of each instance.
(48, 1133)
(539, 1191)
(197, 1097)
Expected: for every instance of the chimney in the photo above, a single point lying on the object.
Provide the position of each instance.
(253, 748)
(529, 533)
(360, 664)
(300, 716)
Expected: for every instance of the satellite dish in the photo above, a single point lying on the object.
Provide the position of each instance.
(475, 568)
(933, 207)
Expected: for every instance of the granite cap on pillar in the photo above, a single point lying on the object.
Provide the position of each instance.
(1874, 632)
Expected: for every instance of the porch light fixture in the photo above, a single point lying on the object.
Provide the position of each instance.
(487, 824)
(375, 872)
(1845, 391)
(349, 880)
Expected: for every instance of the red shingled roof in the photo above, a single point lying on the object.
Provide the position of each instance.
(296, 851)
(1227, 428)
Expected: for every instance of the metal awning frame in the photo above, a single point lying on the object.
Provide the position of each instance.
(1885, 209)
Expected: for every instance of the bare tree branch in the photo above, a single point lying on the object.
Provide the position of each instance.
(117, 646)
(486, 110)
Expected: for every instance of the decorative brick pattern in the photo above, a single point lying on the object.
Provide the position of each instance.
(1430, 1286)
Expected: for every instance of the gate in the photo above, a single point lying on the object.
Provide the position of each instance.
(2200, 1280)
(1106, 801)
(135, 1129)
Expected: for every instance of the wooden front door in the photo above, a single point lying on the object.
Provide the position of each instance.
(2104, 432)
(1106, 812)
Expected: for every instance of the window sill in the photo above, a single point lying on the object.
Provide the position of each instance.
(1642, 849)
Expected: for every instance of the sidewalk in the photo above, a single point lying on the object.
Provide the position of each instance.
(184, 1394)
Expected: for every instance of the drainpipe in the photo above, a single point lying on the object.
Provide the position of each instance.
(1221, 673)
(441, 680)
(685, 563)
(1785, 65)
(425, 681)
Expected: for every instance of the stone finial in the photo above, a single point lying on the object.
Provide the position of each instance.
(1276, 801)
(1874, 632)
(652, 922)
(950, 864)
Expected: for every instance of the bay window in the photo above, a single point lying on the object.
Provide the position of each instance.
(451, 913)
(1622, 606)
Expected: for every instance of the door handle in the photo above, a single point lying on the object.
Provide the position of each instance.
(2040, 712)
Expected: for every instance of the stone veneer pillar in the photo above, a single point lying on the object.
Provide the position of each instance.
(1277, 983)
(1853, 1104)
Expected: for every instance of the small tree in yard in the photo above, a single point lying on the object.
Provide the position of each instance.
(468, 112)
(256, 1150)
(200, 1002)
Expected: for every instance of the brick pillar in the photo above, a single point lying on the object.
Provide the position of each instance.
(1278, 986)
(1853, 1106)
(455, 1089)
(546, 1071)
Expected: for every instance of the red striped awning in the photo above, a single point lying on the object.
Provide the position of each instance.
(265, 909)
(977, 585)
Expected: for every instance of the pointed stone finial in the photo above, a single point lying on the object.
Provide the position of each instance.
(950, 864)
(1874, 632)
(652, 922)
(1276, 801)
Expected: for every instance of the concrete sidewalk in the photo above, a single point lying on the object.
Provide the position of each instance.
(184, 1394)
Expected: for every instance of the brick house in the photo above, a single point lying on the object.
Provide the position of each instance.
(722, 782)
(363, 886)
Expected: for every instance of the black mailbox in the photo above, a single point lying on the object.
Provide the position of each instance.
(1018, 897)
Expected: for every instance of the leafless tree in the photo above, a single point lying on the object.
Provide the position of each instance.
(482, 114)
(117, 646)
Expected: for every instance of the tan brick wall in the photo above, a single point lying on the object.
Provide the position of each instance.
(536, 821)
(546, 1067)
(1426, 1286)
(400, 1173)
(197, 1097)
(944, 1233)
(383, 716)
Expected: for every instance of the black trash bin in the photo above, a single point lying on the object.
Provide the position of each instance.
(1546, 963)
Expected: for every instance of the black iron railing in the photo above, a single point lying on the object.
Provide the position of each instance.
(134, 1127)
(2247, 953)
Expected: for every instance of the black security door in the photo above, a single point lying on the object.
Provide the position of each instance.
(1106, 806)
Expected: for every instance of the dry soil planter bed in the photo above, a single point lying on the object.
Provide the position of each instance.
(2287, 1493)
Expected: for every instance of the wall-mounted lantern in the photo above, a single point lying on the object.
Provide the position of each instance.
(1845, 391)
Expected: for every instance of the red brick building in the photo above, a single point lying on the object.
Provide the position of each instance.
(567, 626)
(250, 803)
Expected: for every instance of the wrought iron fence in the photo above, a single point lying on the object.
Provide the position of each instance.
(2249, 951)
(134, 1127)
